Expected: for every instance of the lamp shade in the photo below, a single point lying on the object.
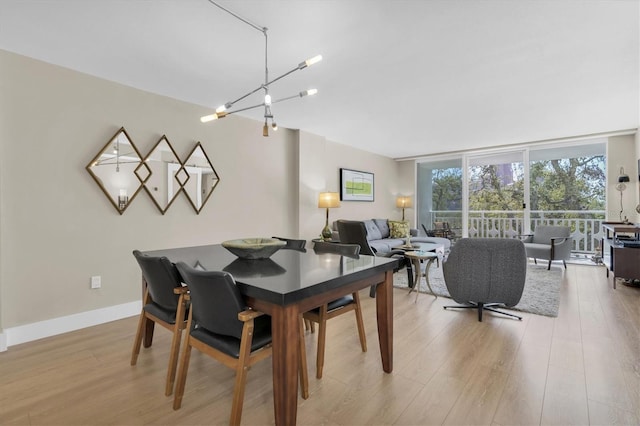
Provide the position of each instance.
(328, 200)
(623, 177)
(404, 202)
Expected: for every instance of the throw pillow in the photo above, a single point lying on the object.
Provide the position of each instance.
(373, 233)
(398, 229)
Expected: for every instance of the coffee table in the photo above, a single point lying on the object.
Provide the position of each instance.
(427, 247)
(417, 257)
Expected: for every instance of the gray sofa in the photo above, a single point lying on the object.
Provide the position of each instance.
(378, 235)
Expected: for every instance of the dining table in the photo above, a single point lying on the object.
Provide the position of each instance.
(288, 284)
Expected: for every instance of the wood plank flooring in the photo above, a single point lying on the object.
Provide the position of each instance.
(581, 368)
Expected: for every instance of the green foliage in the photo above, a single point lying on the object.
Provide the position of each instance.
(566, 184)
(447, 189)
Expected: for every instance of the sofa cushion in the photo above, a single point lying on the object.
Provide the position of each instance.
(383, 226)
(385, 245)
(373, 233)
(398, 229)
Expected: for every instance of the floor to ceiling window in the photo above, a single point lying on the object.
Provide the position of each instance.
(507, 193)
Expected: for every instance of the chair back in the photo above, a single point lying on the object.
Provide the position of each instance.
(349, 250)
(161, 277)
(486, 270)
(215, 300)
(543, 233)
(355, 232)
(292, 244)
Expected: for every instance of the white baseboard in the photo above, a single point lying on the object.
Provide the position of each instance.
(38, 330)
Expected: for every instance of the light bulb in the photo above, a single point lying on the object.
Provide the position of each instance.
(265, 130)
(212, 117)
(267, 99)
(274, 126)
(313, 60)
(309, 92)
(221, 108)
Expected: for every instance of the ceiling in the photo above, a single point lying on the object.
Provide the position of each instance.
(399, 78)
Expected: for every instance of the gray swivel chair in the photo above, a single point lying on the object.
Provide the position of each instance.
(549, 243)
(355, 232)
(484, 273)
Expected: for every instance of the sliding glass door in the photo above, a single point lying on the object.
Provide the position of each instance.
(496, 194)
(509, 193)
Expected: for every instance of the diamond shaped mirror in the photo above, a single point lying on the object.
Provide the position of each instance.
(198, 178)
(114, 170)
(158, 174)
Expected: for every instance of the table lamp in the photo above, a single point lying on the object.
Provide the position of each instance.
(328, 200)
(403, 202)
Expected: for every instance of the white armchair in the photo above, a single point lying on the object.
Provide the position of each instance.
(549, 243)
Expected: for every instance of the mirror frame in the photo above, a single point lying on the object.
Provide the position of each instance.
(95, 160)
(145, 181)
(183, 170)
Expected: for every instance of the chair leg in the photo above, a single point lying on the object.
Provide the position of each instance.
(359, 322)
(310, 325)
(410, 280)
(138, 341)
(304, 375)
(322, 336)
(549, 266)
(173, 358)
(565, 264)
(242, 367)
(182, 374)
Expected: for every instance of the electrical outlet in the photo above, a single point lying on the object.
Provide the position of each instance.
(96, 281)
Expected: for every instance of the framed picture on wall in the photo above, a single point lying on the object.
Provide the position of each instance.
(356, 185)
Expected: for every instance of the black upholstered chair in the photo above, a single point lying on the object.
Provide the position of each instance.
(355, 232)
(293, 244)
(163, 303)
(485, 273)
(221, 326)
(336, 307)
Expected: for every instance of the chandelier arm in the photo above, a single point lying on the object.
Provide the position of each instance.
(244, 96)
(251, 24)
(245, 108)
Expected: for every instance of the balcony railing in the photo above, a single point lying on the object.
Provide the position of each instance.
(586, 225)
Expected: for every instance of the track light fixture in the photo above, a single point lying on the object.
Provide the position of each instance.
(224, 110)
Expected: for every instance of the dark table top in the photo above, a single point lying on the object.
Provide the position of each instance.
(288, 276)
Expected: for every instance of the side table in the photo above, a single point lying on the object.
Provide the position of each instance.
(416, 257)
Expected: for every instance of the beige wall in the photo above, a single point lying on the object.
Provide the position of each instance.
(58, 229)
(621, 152)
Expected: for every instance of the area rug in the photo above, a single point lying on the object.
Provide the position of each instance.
(541, 293)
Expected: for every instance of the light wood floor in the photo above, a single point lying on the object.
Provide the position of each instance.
(580, 368)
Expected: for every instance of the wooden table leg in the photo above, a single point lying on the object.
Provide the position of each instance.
(285, 330)
(384, 312)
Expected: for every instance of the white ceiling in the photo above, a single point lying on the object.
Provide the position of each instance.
(400, 78)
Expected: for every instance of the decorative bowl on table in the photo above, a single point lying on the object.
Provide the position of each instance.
(254, 248)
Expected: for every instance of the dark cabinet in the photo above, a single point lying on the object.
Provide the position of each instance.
(623, 262)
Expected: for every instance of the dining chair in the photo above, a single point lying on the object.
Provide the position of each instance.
(293, 244)
(221, 326)
(355, 232)
(163, 303)
(336, 307)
